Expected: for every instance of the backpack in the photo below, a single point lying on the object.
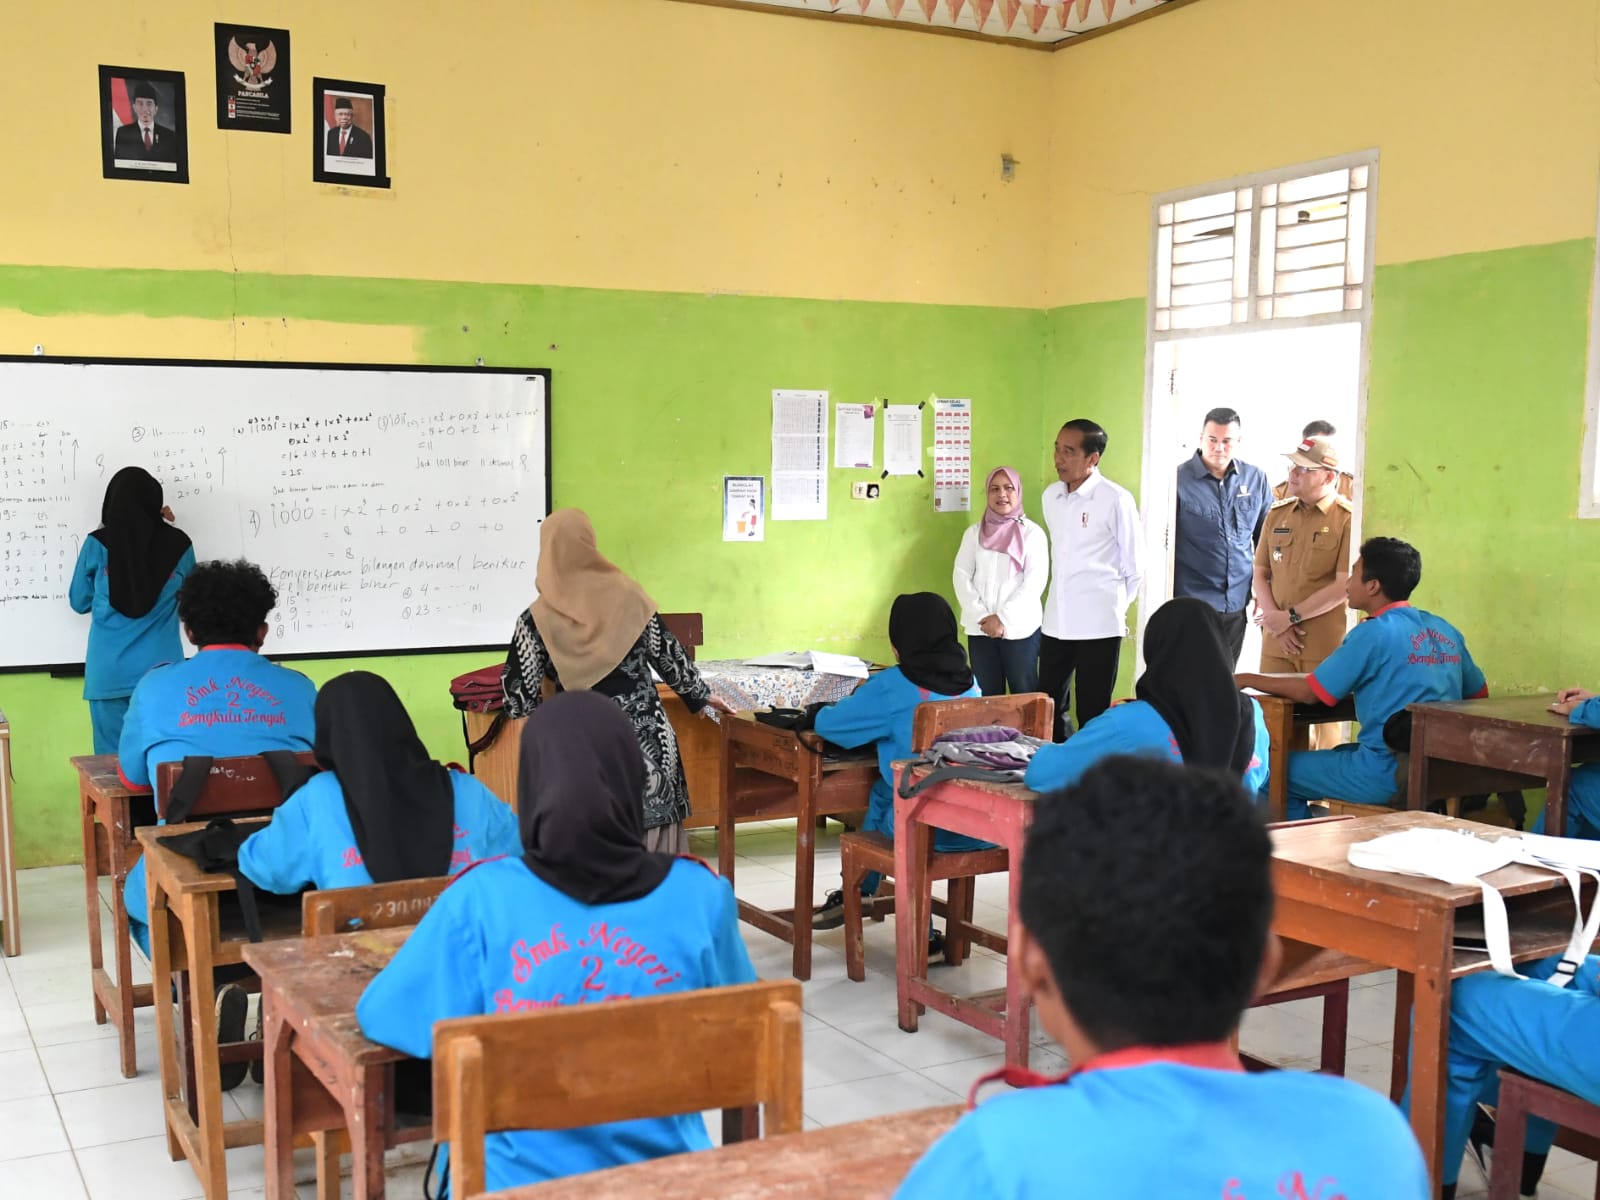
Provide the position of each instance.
(480, 691)
(997, 753)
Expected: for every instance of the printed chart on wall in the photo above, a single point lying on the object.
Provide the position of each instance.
(952, 455)
(743, 502)
(799, 456)
(393, 508)
(902, 439)
(853, 430)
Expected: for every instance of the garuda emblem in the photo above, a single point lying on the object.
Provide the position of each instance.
(254, 66)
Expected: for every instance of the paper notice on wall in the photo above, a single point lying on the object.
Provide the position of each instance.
(902, 439)
(743, 508)
(952, 455)
(799, 456)
(853, 429)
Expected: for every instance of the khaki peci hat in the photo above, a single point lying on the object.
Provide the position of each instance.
(1315, 454)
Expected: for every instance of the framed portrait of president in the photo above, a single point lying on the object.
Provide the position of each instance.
(349, 141)
(144, 127)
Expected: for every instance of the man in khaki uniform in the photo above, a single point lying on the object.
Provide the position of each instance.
(1347, 481)
(1302, 565)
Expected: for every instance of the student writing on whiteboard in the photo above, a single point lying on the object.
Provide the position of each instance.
(592, 627)
(227, 700)
(127, 577)
(1000, 574)
(583, 913)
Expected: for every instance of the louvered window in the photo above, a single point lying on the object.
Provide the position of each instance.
(1285, 246)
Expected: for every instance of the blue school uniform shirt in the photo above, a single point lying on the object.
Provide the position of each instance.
(122, 648)
(1166, 1129)
(1132, 728)
(1398, 656)
(225, 701)
(310, 843)
(500, 939)
(881, 710)
(1587, 713)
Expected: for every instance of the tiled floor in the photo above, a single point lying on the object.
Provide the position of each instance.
(71, 1127)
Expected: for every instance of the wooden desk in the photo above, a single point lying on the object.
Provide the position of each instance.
(865, 1160)
(1407, 923)
(1497, 744)
(1288, 728)
(322, 1072)
(109, 848)
(191, 935)
(771, 774)
(992, 812)
(10, 911)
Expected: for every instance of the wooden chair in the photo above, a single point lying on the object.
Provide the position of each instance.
(372, 906)
(1522, 1097)
(729, 1048)
(1031, 713)
(235, 786)
(688, 628)
(344, 910)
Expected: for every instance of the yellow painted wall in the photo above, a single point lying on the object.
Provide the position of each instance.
(629, 144)
(1487, 116)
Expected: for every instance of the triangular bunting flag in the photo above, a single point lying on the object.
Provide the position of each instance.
(1064, 12)
(927, 7)
(955, 7)
(1083, 10)
(1036, 15)
(1009, 10)
(895, 6)
(865, 4)
(983, 8)
(1110, 7)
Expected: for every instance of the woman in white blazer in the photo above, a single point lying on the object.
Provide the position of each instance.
(1000, 576)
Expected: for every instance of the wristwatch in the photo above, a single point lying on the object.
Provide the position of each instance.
(1294, 617)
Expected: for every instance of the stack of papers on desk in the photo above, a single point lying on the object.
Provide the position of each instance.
(819, 661)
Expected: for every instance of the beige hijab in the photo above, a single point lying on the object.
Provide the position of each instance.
(588, 612)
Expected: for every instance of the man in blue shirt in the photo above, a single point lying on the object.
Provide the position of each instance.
(1221, 504)
(227, 700)
(1143, 930)
(1396, 657)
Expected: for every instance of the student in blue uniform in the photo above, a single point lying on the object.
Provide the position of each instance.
(1583, 791)
(586, 914)
(1188, 709)
(1547, 1032)
(932, 666)
(227, 700)
(127, 577)
(1144, 931)
(381, 809)
(1398, 655)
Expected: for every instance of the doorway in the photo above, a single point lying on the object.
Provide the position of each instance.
(1277, 379)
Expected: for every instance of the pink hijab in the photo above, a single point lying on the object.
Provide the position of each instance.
(1004, 534)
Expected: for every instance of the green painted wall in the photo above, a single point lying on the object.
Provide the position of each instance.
(655, 397)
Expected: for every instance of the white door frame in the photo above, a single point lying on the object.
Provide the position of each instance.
(1158, 477)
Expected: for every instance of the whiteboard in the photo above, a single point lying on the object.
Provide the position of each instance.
(394, 508)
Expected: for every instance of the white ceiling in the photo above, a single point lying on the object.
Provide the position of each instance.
(1046, 24)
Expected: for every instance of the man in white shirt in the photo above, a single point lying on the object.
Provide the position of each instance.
(1095, 557)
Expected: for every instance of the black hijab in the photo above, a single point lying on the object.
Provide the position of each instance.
(924, 633)
(141, 548)
(400, 801)
(1189, 681)
(580, 792)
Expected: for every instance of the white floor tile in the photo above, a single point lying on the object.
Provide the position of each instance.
(1277, 1035)
(120, 1113)
(14, 1031)
(861, 1099)
(137, 1170)
(1370, 1066)
(1372, 1015)
(61, 1021)
(21, 1075)
(73, 1066)
(52, 1176)
(960, 1076)
(28, 1127)
(832, 1057)
(938, 1040)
